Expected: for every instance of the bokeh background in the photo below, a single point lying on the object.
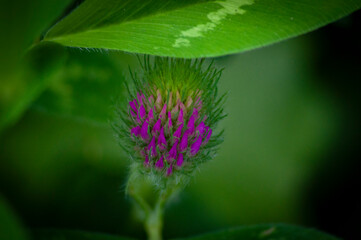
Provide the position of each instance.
(291, 152)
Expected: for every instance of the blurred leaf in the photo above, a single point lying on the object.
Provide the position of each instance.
(10, 228)
(73, 235)
(22, 22)
(266, 231)
(193, 28)
(39, 67)
(90, 83)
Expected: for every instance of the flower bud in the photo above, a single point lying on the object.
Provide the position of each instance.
(167, 125)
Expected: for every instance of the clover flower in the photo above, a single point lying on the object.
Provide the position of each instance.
(167, 126)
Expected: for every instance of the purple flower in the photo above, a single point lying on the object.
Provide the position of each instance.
(180, 117)
(163, 112)
(182, 107)
(206, 128)
(144, 131)
(135, 131)
(133, 104)
(150, 115)
(164, 126)
(146, 161)
(196, 145)
(157, 126)
(160, 164)
(184, 142)
(152, 147)
(138, 120)
(157, 141)
(173, 151)
(209, 134)
(201, 128)
(140, 98)
(162, 142)
(178, 132)
(180, 160)
(191, 124)
(133, 108)
(133, 113)
(169, 170)
(142, 112)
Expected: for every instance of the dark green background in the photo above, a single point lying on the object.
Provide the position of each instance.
(291, 150)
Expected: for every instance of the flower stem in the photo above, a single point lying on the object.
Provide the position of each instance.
(153, 216)
(154, 223)
(154, 220)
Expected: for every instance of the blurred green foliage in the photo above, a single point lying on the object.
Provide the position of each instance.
(21, 25)
(263, 231)
(69, 174)
(10, 226)
(91, 83)
(60, 166)
(266, 232)
(41, 66)
(74, 235)
(23, 22)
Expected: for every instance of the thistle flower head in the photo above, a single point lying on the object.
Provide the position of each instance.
(168, 124)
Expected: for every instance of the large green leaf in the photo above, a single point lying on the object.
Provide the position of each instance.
(10, 227)
(193, 28)
(266, 232)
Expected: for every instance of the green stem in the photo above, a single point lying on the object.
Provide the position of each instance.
(153, 221)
